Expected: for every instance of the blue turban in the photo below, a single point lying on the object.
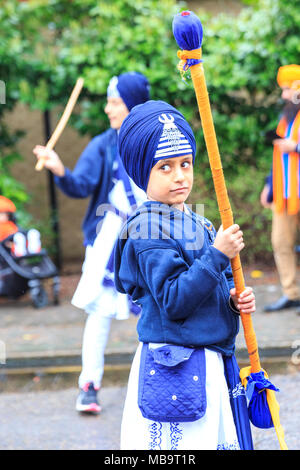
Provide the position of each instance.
(132, 87)
(143, 135)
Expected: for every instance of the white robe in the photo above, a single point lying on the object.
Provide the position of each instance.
(91, 294)
(215, 430)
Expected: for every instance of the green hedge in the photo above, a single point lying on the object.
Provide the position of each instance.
(12, 48)
(64, 39)
(241, 59)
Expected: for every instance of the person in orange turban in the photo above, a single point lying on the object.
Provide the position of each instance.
(7, 225)
(289, 76)
(282, 189)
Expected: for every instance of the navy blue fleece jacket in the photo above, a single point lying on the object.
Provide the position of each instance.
(92, 177)
(165, 260)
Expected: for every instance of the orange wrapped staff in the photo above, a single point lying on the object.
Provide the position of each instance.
(263, 407)
(62, 122)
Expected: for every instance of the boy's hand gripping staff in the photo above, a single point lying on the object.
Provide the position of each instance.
(63, 121)
(188, 33)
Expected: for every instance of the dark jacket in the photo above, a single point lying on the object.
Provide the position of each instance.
(92, 177)
(165, 260)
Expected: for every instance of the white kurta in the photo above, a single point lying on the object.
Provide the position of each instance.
(91, 295)
(215, 430)
(100, 302)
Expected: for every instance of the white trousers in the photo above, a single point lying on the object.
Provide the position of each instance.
(109, 304)
(95, 336)
(106, 304)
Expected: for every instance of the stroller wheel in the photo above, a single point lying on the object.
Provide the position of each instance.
(39, 297)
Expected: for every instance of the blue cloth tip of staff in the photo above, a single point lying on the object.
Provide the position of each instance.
(188, 33)
(258, 409)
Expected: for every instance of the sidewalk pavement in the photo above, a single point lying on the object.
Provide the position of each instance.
(51, 337)
(46, 345)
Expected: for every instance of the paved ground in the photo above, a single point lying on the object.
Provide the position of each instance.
(41, 350)
(55, 425)
(56, 331)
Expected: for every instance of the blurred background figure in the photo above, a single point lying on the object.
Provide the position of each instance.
(7, 220)
(23, 263)
(281, 192)
(99, 174)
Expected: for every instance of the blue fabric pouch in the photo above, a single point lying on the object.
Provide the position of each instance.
(172, 383)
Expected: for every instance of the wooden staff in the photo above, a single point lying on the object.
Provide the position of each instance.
(62, 122)
(198, 77)
(188, 33)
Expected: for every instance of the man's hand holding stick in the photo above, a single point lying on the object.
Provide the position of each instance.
(45, 154)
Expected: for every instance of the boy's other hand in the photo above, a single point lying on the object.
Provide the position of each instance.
(52, 160)
(229, 241)
(246, 300)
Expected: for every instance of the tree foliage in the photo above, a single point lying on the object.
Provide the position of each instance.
(49, 43)
(242, 57)
(12, 48)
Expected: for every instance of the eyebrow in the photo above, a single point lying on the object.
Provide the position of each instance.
(169, 160)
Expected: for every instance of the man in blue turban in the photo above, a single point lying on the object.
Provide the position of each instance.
(99, 174)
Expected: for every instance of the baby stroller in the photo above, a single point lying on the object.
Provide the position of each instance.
(23, 267)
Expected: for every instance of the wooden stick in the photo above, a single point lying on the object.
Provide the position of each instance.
(189, 38)
(225, 210)
(62, 122)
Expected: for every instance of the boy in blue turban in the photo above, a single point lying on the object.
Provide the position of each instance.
(99, 174)
(177, 269)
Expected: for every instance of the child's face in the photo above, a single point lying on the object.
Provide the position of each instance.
(4, 217)
(116, 111)
(171, 181)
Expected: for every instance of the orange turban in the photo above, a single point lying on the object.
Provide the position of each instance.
(289, 75)
(6, 205)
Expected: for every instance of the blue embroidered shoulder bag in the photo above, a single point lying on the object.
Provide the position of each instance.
(172, 383)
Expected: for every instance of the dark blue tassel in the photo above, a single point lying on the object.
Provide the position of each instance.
(188, 33)
(258, 408)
